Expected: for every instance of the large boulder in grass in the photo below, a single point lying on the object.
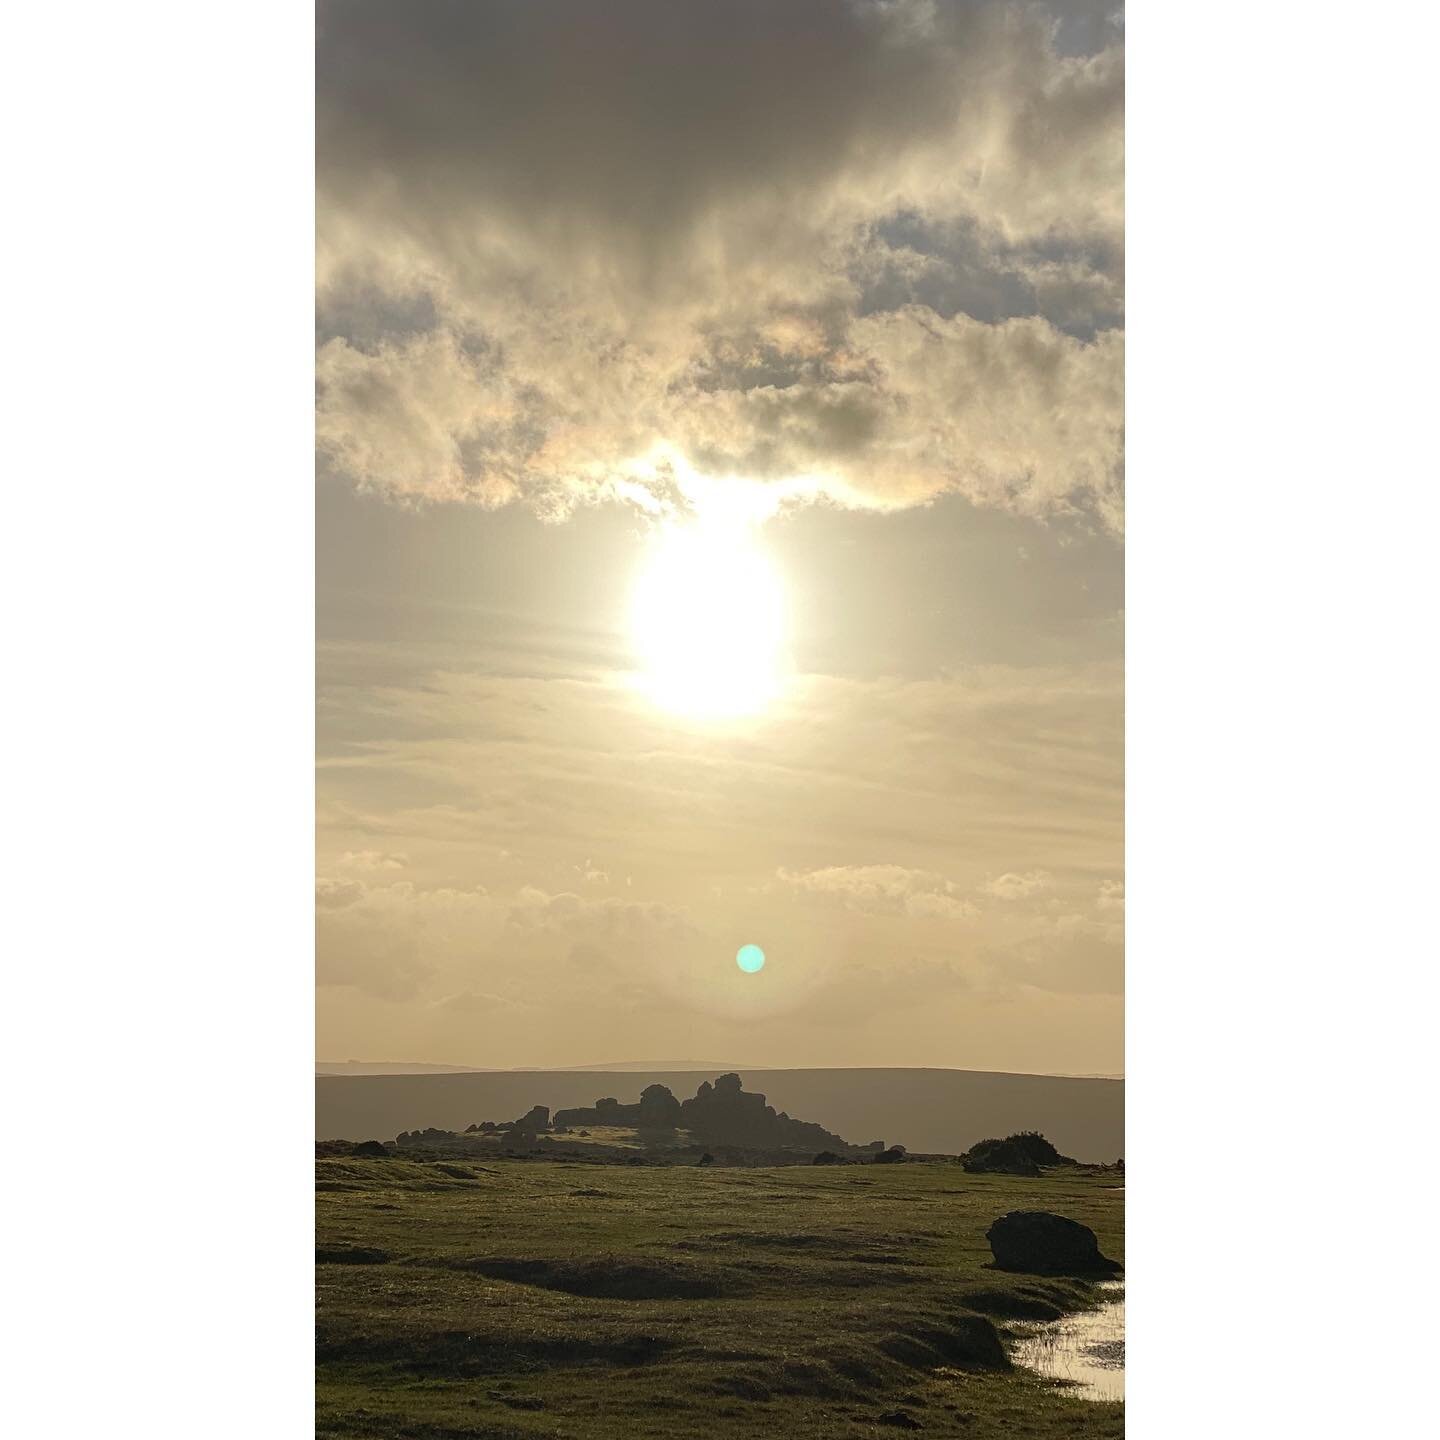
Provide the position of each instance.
(1035, 1242)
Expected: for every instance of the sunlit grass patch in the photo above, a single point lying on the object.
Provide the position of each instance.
(546, 1299)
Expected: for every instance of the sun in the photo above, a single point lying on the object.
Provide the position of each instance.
(708, 622)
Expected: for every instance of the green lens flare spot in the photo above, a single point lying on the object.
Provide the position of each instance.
(750, 958)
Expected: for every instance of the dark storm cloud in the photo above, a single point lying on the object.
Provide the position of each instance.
(865, 249)
(640, 117)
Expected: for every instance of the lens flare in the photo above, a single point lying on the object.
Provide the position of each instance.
(750, 958)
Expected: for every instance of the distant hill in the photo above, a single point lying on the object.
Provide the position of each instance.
(422, 1067)
(393, 1067)
(649, 1067)
(925, 1110)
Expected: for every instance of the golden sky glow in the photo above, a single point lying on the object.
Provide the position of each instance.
(720, 532)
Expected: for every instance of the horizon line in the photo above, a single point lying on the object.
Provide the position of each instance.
(641, 1067)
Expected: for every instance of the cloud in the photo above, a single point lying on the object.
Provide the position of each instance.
(478, 1002)
(1111, 896)
(336, 894)
(818, 843)
(462, 950)
(884, 890)
(1017, 887)
(871, 773)
(864, 250)
(369, 860)
(388, 941)
(607, 920)
(1068, 954)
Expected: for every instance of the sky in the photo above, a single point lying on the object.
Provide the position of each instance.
(720, 533)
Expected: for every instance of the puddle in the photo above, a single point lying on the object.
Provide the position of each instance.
(1087, 1350)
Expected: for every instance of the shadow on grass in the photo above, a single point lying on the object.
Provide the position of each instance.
(468, 1353)
(609, 1277)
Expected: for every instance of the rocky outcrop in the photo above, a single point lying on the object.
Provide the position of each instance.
(1035, 1242)
(659, 1109)
(606, 1111)
(726, 1114)
(432, 1137)
(719, 1114)
(535, 1121)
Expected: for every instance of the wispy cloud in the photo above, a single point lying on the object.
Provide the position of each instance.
(884, 889)
(1017, 887)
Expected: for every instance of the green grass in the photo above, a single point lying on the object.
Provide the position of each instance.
(526, 1298)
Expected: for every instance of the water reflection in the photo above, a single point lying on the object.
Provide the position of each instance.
(1086, 1350)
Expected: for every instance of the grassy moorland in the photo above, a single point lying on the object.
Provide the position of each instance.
(536, 1297)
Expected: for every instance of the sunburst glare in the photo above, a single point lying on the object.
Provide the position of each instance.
(708, 621)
